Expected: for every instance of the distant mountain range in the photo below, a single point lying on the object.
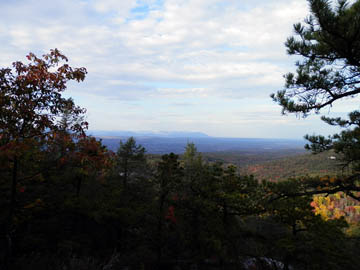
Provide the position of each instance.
(158, 134)
(165, 142)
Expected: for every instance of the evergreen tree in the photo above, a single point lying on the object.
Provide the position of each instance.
(329, 44)
(169, 175)
(131, 160)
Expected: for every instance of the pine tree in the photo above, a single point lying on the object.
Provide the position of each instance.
(131, 160)
(329, 70)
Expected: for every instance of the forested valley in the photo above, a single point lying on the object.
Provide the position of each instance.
(68, 202)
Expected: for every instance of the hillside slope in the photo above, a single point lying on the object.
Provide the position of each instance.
(295, 166)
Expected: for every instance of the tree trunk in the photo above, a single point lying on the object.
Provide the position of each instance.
(13, 192)
(12, 208)
(125, 176)
(159, 230)
(78, 186)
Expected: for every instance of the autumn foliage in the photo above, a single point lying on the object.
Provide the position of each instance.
(40, 129)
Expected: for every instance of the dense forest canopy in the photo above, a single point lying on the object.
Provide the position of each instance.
(67, 202)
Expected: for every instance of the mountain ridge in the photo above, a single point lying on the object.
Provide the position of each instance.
(159, 134)
(164, 145)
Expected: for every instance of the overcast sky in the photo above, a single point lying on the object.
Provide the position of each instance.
(174, 65)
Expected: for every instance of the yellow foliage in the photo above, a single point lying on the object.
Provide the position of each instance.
(338, 213)
(324, 178)
(336, 206)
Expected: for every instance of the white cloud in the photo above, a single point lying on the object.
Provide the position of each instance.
(182, 93)
(158, 53)
(122, 7)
